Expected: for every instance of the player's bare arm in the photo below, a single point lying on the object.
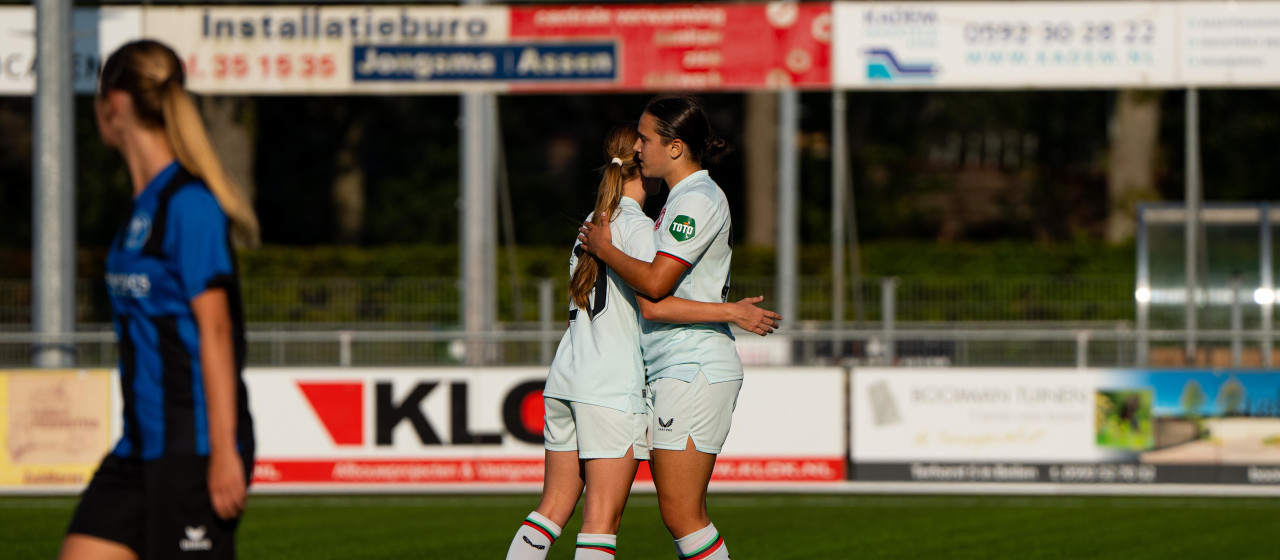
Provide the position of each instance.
(227, 488)
(744, 313)
(654, 279)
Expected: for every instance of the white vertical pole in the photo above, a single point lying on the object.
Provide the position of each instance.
(1082, 349)
(476, 214)
(839, 175)
(1192, 224)
(546, 313)
(1143, 344)
(1267, 288)
(889, 315)
(1237, 323)
(788, 203)
(53, 268)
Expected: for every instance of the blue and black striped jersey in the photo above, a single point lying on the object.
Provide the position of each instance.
(175, 246)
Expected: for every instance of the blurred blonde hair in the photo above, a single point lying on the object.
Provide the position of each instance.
(151, 73)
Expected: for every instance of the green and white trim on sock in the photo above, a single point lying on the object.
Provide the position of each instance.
(596, 547)
(705, 544)
(541, 524)
(533, 539)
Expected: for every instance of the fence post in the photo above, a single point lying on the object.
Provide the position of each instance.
(1265, 295)
(546, 315)
(888, 312)
(344, 348)
(1237, 323)
(277, 348)
(839, 168)
(53, 208)
(1082, 349)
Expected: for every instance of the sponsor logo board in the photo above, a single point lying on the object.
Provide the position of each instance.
(55, 426)
(1095, 426)
(439, 426)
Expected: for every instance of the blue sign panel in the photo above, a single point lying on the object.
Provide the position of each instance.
(511, 62)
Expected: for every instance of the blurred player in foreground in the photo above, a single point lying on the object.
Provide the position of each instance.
(175, 483)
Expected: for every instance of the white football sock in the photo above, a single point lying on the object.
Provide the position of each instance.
(705, 544)
(534, 538)
(596, 547)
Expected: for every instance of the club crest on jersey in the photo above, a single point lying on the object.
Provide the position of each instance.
(139, 230)
(657, 224)
(682, 228)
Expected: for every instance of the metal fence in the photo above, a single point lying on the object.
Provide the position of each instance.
(809, 344)
(436, 301)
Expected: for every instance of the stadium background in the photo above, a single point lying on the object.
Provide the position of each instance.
(960, 249)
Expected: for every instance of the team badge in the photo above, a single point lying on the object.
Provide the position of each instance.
(682, 228)
(139, 230)
(658, 223)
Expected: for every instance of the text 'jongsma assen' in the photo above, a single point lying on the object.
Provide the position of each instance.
(511, 62)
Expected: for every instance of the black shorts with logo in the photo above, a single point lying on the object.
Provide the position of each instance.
(159, 508)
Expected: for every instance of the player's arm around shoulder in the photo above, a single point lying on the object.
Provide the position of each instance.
(745, 313)
(655, 278)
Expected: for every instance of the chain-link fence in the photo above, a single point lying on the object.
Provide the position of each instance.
(1116, 346)
(436, 301)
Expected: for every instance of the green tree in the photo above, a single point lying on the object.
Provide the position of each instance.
(1231, 397)
(1192, 398)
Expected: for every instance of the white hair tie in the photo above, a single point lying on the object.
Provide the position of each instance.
(617, 161)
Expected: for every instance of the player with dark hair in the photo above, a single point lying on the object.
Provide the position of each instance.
(597, 420)
(694, 373)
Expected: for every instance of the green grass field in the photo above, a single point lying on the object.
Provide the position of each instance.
(769, 527)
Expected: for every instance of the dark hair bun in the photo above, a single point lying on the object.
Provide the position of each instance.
(716, 147)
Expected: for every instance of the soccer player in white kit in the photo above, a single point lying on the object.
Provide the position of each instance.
(597, 420)
(694, 373)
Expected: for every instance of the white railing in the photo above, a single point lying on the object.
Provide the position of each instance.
(803, 344)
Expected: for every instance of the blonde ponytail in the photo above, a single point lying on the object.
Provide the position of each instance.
(191, 145)
(618, 146)
(153, 76)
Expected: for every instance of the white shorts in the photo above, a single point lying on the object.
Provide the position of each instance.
(595, 432)
(698, 410)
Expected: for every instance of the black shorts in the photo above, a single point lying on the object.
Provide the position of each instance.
(158, 508)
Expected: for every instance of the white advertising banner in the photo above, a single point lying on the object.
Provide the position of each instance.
(1004, 45)
(973, 415)
(1230, 43)
(359, 428)
(333, 49)
(1065, 426)
(95, 33)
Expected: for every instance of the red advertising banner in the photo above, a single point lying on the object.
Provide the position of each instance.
(331, 429)
(336, 473)
(691, 47)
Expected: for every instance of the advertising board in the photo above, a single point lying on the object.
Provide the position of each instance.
(55, 425)
(1063, 426)
(339, 428)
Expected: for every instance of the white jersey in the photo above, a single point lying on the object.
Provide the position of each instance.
(696, 230)
(599, 361)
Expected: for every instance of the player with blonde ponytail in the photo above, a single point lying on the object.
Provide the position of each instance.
(175, 484)
(597, 419)
(694, 373)
(191, 145)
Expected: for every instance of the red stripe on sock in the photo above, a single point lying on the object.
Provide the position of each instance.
(611, 551)
(719, 543)
(540, 530)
